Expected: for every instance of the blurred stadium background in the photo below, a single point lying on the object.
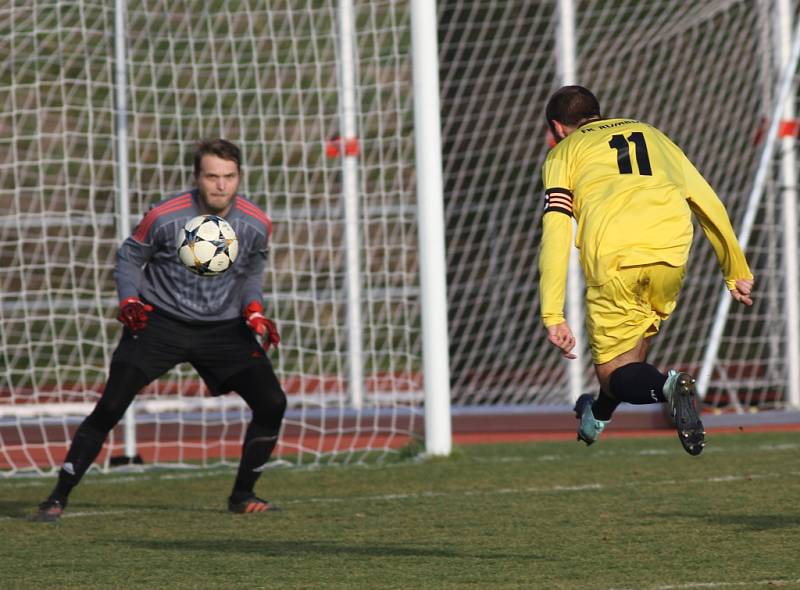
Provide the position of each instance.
(275, 76)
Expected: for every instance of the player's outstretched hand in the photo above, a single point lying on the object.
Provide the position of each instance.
(261, 325)
(133, 313)
(561, 337)
(742, 291)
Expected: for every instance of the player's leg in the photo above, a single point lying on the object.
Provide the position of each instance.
(679, 390)
(621, 321)
(229, 358)
(648, 296)
(138, 359)
(124, 381)
(259, 387)
(613, 344)
(629, 378)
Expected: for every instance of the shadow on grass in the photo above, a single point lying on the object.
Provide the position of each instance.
(744, 522)
(288, 548)
(221, 508)
(18, 508)
(24, 509)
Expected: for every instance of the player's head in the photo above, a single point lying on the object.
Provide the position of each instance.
(217, 170)
(568, 108)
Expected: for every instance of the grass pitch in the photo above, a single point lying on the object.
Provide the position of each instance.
(623, 514)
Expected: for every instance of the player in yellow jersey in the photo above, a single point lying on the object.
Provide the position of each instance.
(632, 193)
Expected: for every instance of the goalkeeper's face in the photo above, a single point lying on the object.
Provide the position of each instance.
(217, 181)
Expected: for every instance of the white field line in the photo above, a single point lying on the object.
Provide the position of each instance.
(399, 497)
(554, 489)
(84, 514)
(692, 585)
(68, 514)
(138, 473)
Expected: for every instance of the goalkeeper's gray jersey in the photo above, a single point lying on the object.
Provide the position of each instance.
(148, 265)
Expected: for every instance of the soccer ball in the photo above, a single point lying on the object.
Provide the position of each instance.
(207, 245)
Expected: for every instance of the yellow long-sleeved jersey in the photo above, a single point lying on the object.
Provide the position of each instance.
(631, 191)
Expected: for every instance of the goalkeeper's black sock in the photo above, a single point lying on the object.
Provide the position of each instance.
(86, 445)
(638, 383)
(604, 406)
(259, 442)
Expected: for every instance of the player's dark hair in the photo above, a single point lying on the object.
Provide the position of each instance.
(570, 105)
(222, 148)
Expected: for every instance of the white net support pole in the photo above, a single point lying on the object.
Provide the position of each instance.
(575, 314)
(123, 183)
(788, 175)
(430, 207)
(349, 137)
(770, 144)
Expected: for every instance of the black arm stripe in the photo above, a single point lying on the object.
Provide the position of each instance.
(557, 189)
(566, 212)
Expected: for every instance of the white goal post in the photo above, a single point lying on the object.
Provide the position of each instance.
(322, 96)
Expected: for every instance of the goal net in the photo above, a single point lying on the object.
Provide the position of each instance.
(267, 75)
(706, 74)
(276, 77)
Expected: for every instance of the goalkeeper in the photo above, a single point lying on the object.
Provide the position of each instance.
(171, 316)
(632, 193)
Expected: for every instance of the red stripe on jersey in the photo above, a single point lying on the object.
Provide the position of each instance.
(180, 202)
(253, 211)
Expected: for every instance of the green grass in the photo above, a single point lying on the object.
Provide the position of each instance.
(623, 514)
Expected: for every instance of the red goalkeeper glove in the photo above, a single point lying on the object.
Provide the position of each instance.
(263, 326)
(133, 313)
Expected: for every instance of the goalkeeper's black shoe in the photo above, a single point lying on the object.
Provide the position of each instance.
(680, 392)
(49, 511)
(250, 504)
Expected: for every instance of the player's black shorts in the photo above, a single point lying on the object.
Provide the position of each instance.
(217, 350)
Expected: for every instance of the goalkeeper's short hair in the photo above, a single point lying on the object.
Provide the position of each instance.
(222, 148)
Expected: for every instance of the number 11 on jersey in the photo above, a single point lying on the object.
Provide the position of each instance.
(620, 143)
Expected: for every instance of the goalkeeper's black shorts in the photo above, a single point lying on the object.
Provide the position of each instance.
(217, 350)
